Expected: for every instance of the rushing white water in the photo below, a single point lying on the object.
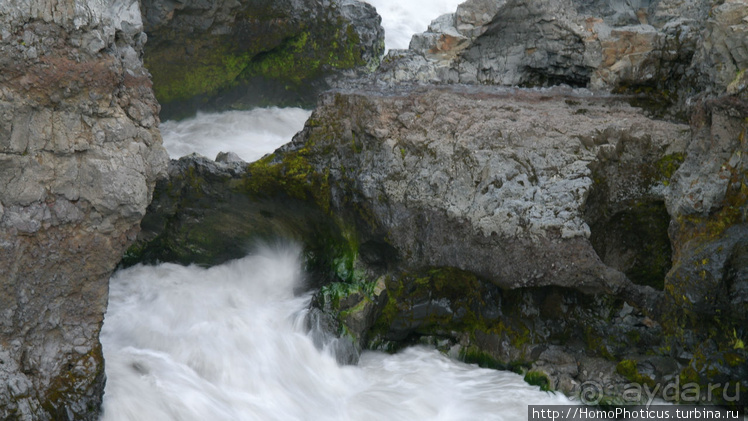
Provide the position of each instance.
(401, 19)
(250, 134)
(228, 343)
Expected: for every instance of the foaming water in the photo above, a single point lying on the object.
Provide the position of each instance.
(401, 19)
(229, 343)
(250, 134)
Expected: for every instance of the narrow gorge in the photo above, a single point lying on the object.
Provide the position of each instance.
(554, 188)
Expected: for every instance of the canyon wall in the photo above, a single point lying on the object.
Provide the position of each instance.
(227, 54)
(80, 152)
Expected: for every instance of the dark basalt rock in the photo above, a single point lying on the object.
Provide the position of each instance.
(219, 54)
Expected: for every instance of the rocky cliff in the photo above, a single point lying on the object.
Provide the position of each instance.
(223, 54)
(570, 233)
(80, 153)
(542, 231)
(666, 50)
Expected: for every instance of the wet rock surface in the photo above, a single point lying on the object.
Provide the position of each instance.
(79, 155)
(501, 221)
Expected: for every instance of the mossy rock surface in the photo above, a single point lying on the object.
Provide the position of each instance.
(236, 55)
(207, 213)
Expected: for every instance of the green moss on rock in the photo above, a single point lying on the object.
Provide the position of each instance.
(474, 355)
(83, 376)
(667, 166)
(629, 370)
(305, 56)
(537, 378)
(264, 56)
(214, 66)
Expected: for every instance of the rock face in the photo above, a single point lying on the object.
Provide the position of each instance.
(80, 153)
(517, 229)
(708, 201)
(209, 212)
(539, 229)
(507, 173)
(647, 208)
(675, 49)
(224, 54)
(561, 232)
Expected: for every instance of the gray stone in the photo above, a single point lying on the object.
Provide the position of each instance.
(75, 107)
(723, 54)
(672, 50)
(502, 170)
(228, 157)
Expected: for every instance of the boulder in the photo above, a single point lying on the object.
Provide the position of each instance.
(495, 182)
(665, 51)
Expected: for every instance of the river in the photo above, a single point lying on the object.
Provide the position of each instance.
(231, 343)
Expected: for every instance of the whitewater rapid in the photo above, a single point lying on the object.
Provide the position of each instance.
(230, 343)
(250, 134)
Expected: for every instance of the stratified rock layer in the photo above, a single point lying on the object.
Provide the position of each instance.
(79, 155)
(667, 50)
(237, 54)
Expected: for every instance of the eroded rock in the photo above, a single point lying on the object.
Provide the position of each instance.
(79, 153)
(665, 51)
(493, 182)
(232, 54)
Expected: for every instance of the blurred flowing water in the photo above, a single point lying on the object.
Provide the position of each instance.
(401, 19)
(230, 343)
(250, 134)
